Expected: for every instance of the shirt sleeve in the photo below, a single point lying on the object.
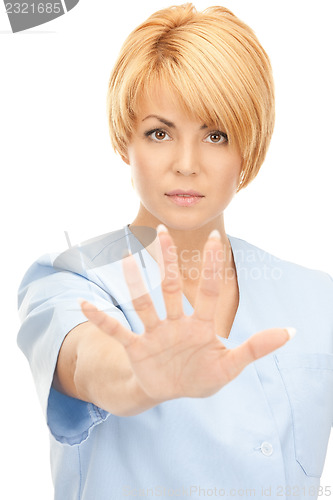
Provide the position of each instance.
(49, 309)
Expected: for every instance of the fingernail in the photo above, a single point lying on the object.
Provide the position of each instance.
(291, 331)
(161, 228)
(215, 234)
(80, 301)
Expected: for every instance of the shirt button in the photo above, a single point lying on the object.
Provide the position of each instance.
(266, 448)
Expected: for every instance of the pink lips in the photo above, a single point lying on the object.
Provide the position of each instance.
(184, 198)
(181, 191)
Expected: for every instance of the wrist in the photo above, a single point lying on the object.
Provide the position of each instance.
(141, 401)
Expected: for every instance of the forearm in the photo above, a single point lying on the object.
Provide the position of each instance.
(94, 367)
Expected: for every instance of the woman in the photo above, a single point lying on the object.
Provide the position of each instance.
(176, 377)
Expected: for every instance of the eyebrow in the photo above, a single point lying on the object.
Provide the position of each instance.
(166, 122)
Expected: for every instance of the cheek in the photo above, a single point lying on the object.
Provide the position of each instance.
(143, 170)
(228, 173)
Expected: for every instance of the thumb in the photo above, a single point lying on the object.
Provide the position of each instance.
(258, 345)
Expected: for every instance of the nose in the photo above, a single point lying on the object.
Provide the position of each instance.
(187, 161)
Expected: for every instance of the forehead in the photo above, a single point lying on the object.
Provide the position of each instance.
(157, 97)
(163, 101)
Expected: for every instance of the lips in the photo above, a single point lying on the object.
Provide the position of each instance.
(184, 198)
(181, 192)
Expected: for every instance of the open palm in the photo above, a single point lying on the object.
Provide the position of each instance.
(181, 356)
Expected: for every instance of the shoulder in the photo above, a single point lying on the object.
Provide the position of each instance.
(96, 260)
(80, 259)
(91, 253)
(106, 249)
(290, 274)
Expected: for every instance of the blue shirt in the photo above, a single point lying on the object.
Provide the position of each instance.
(265, 434)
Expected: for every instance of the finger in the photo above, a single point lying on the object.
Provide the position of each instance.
(107, 323)
(141, 299)
(258, 345)
(171, 285)
(209, 287)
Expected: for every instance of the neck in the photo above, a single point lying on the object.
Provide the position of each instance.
(190, 244)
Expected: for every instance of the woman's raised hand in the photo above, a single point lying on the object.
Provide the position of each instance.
(181, 356)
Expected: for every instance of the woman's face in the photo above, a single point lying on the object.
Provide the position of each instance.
(172, 153)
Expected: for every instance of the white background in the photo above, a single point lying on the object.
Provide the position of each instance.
(59, 172)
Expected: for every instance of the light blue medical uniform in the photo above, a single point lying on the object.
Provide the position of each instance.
(265, 434)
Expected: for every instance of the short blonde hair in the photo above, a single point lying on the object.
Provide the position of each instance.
(214, 65)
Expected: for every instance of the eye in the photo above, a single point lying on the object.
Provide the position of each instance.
(221, 137)
(159, 138)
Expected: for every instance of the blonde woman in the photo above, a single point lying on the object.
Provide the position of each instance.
(177, 376)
